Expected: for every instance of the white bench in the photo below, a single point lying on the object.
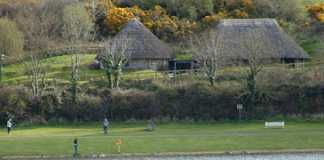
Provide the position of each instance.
(274, 125)
(171, 75)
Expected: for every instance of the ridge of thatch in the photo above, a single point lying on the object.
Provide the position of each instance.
(145, 45)
(232, 36)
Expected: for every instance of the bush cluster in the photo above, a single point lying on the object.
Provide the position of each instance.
(195, 101)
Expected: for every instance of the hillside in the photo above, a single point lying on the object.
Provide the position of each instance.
(59, 68)
(166, 27)
(55, 89)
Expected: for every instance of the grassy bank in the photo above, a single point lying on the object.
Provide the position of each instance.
(59, 69)
(167, 138)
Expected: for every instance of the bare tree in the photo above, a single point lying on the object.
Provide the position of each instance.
(38, 74)
(256, 53)
(207, 53)
(75, 63)
(35, 28)
(77, 26)
(115, 56)
(35, 25)
(53, 12)
(77, 23)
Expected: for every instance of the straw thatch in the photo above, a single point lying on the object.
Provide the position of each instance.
(277, 44)
(145, 45)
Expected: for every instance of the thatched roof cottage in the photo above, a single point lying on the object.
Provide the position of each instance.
(278, 45)
(148, 51)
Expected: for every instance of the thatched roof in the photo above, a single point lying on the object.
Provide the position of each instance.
(233, 34)
(145, 45)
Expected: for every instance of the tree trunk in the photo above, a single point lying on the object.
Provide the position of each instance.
(74, 76)
(110, 81)
(212, 81)
(1, 66)
(251, 84)
(74, 91)
(117, 78)
(35, 84)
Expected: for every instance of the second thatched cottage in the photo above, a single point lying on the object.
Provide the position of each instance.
(264, 34)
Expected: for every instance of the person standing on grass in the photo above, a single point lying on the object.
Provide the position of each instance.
(150, 126)
(9, 125)
(105, 125)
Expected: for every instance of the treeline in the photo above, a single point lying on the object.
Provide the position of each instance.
(171, 20)
(38, 25)
(34, 27)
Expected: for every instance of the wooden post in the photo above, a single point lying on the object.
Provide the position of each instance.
(1, 66)
(175, 69)
(190, 70)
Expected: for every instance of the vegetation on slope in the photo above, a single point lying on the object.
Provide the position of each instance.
(172, 24)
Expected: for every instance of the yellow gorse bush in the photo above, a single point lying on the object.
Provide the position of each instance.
(241, 14)
(316, 11)
(213, 19)
(118, 17)
(247, 3)
(155, 19)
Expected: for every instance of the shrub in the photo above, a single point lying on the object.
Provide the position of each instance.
(198, 102)
(90, 108)
(86, 108)
(117, 18)
(281, 92)
(316, 11)
(13, 103)
(133, 104)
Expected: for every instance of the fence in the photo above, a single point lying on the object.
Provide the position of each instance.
(176, 76)
(196, 73)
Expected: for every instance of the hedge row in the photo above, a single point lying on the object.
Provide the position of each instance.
(197, 102)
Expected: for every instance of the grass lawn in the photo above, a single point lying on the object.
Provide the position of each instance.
(216, 137)
(315, 50)
(58, 68)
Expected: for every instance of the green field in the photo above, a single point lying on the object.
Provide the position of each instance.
(58, 68)
(168, 138)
